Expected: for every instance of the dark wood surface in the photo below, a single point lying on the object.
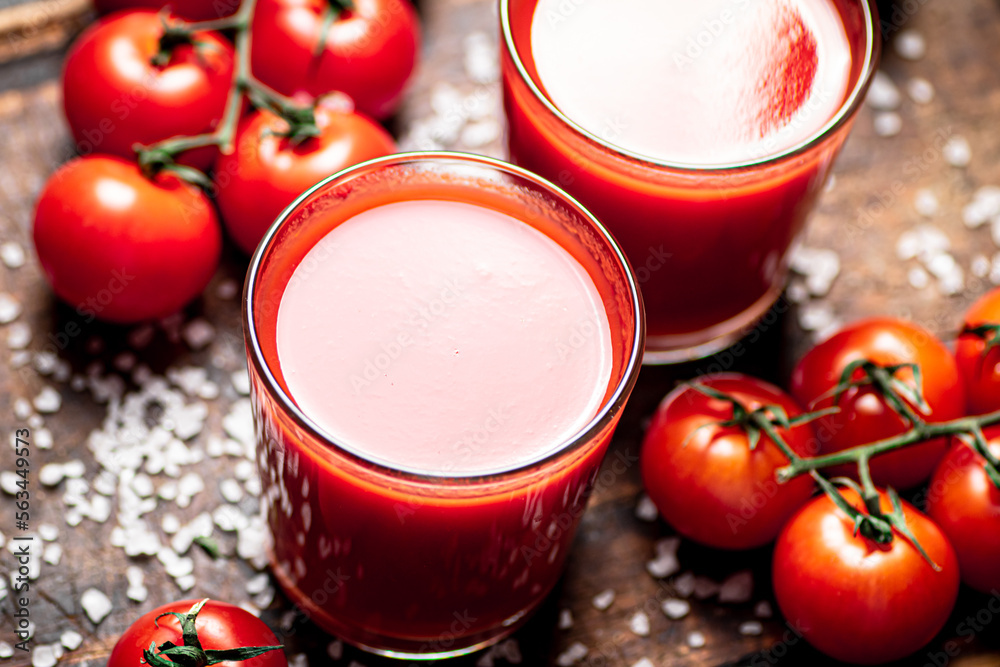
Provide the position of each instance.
(862, 218)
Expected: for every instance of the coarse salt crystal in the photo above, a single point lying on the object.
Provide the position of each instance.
(43, 655)
(645, 509)
(170, 524)
(883, 94)
(644, 662)
(231, 490)
(676, 609)
(96, 605)
(51, 474)
(888, 123)
(957, 152)
(48, 532)
(696, 639)
(241, 382)
(137, 593)
(134, 575)
(638, 623)
(52, 554)
(926, 203)
(12, 255)
(751, 628)
(705, 588)
(910, 45)
(980, 266)
(815, 316)
(572, 655)
(6, 650)
(18, 335)
(480, 133)
(663, 565)
(763, 609)
(198, 334)
(186, 582)
(565, 619)
(482, 63)
(10, 308)
(920, 90)
(48, 401)
(71, 640)
(227, 289)
(603, 600)
(737, 588)
(684, 584)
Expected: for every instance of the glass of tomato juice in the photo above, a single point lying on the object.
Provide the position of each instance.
(440, 347)
(700, 133)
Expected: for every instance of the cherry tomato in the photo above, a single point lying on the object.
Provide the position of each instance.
(856, 600)
(192, 10)
(369, 52)
(865, 417)
(706, 481)
(266, 172)
(115, 97)
(980, 370)
(123, 248)
(220, 626)
(966, 505)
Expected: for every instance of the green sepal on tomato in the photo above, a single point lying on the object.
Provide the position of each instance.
(978, 354)
(268, 170)
(115, 96)
(865, 415)
(857, 600)
(368, 51)
(211, 632)
(123, 247)
(965, 503)
(711, 482)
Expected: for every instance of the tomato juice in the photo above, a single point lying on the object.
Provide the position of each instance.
(700, 133)
(440, 349)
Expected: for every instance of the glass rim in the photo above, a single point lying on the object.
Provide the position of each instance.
(873, 50)
(609, 407)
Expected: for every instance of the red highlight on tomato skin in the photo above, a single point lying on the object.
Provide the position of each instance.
(980, 367)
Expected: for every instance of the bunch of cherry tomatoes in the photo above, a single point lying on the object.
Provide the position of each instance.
(713, 474)
(158, 92)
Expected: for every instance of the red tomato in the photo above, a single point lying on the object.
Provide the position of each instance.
(854, 599)
(966, 505)
(115, 97)
(369, 52)
(220, 626)
(120, 247)
(192, 10)
(707, 482)
(864, 416)
(266, 173)
(980, 370)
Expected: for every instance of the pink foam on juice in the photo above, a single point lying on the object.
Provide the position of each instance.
(445, 338)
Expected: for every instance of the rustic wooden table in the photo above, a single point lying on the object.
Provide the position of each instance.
(920, 176)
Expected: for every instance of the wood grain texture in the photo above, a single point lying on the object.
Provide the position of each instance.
(876, 179)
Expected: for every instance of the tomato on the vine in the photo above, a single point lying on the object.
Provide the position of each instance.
(965, 503)
(980, 369)
(857, 600)
(220, 626)
(864, 415)
(706, 480)
(368, 52)
(192, 10)
(267, 171)
(115, 95)
(120, 247)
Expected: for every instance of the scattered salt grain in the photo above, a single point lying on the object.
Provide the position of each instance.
(919, 279)
(96, 605)
(8, 482)
(751, 628)
(763, 609)
(565, 619)
(920, 90)
(603, 600)
(737, 588)
(923, 242)
(43, 438)
(684, 584)
(22, 409)
(186, 582)
(883, 94)
(926, 203)
(48, 401)
(696, 639)
(12, 255)
(18, 335)
(888, 123)
(572, 655)
(335, 649)
(241, 382)
(48, 532)
(676, 609)
(6, 650)
(910, 45)
(482, 63)
(815, 316)
(243, 470)
(480, 133)
(820, 266)
(645, 509)
(980, 266)
(231, 490)
(44, 655)
(705, 588)
(957, 152)
(71, 640)
(227, 289)
(298, 660)
(52, 554)
(51, 474)
(198, 334)
(638, 623)
(985, 206)
(10, 308)
(644, 662)
(258, 584)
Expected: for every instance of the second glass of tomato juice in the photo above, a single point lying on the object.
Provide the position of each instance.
(699, 132)
(440, 348)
